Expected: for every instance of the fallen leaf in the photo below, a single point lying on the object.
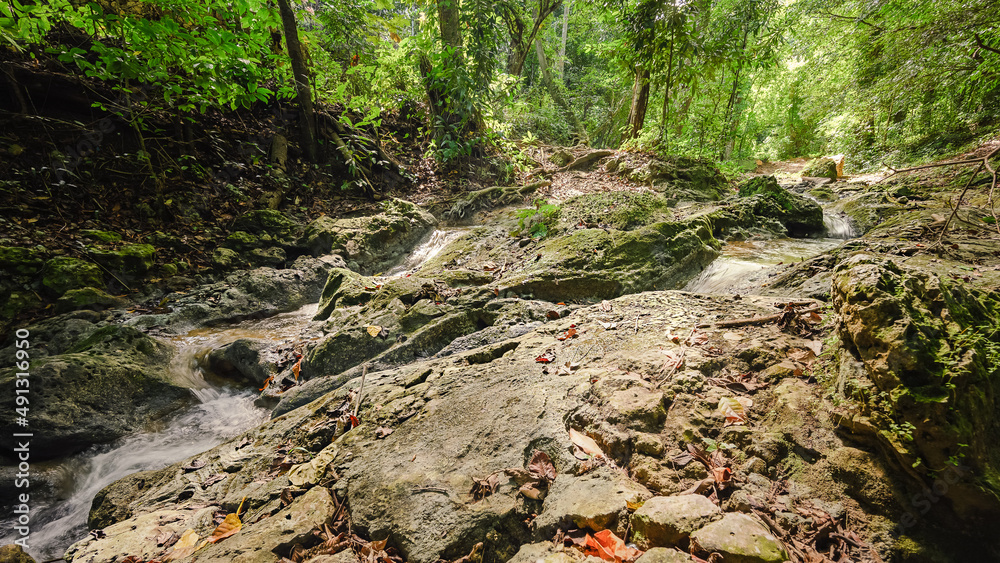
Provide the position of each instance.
(541, 466)
(605, 306)
(374, 330)
(585, 444)
(532, 491)
(296, 368)
(552, 315)
(228, 527)
(571, 333)
(194, 465)
(185, 546)
(802, 355)
(673, 362)
(609, 547)
(482, 488)
(382, 432)
(734, 409)
(546, 357)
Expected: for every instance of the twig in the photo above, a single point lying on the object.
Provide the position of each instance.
(361, 389)
(959, 202)
(679, 361)
(952, 163)
(755, 320)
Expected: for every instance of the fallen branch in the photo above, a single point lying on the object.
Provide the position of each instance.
(586, 160)
(755, 320)
(361, 390)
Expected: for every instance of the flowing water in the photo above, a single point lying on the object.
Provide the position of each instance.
(744, 266)
(219, 412)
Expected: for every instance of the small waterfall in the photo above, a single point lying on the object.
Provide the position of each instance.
(839, 225)
(435, 243)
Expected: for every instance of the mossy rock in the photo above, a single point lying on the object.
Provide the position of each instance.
(620, 210)
(370, 243)
(681, 177)
(64, 273)
(270, 226)
(87, 298)
(344, 288)
(16, 302)
(131, 260)
(110, 384)
(101, 236)
(762, 199)
(241, 241)
(227, 259)
(21, 261)
(821, 168)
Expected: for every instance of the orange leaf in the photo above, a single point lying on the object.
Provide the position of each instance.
(616, 546)
(228, 527)
(296, 368)
(586, 444)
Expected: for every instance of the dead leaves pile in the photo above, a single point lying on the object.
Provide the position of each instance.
(339, 536)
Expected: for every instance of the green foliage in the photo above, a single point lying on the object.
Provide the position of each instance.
(538, 222)
(188, 55)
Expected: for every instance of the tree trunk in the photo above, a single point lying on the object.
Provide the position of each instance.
(640, 100)
(448, 18)
(561, 63)
(557, 97)
(300, 73)
(520, 45)
(666, 89)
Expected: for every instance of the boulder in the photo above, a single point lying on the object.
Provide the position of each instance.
(370, 243)
(244, 359)
(663, 555)
(104, 387)
(12, 553)
(762, 203)
(21, 261)
(922, 339)
(669, 521)
(130, 260)
(823, 168)
(597, 501)
(681, 177)
(88, 298)
(739, 538)
(64, 273)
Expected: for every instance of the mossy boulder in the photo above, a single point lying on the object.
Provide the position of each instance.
(64, 273)
(681, 177)
(107, 385)
(344, 288)
(931, 358)
(668, 521)
(269, 225)
(131, 260)
(101, 236)
(241, 241)
(619, 210)
(87, 298)
(821, 168)
(227, 259)
(370, 243)
(21, 261)
(762, 203)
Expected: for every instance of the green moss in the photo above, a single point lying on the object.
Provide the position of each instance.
(64, 273)
(241, 241)
(101, 236)
(619, 210)
(21, 261)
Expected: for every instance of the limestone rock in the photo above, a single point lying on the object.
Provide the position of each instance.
(663, 555)
(12, 553)
(823, 168)
(370, 243)
(87, 298)
(668, 521)
(597, 500)
(739, 539)
(244, 359)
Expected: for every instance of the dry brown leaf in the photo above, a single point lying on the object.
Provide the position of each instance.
(541, 466)
(585, 444)
(734, 409)
(185, 546)
(228, 527)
